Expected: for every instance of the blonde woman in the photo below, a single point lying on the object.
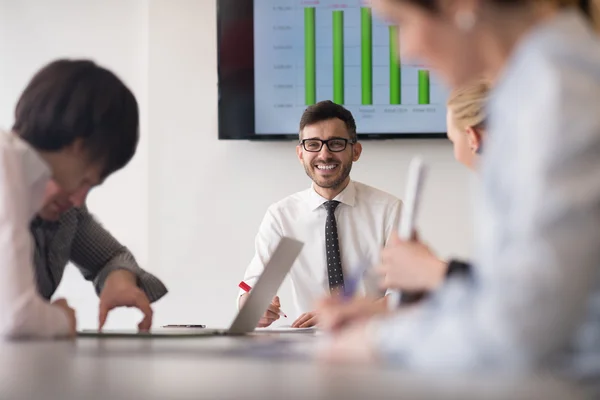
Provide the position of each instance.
(419, 269)
(466, 120)
(535, 297)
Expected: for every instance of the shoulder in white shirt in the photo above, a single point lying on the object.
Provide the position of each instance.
(23, 177)
(365, 219)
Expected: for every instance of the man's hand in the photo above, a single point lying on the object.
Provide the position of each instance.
(62, 304)
(349, 345)
(335, 313)
(410, 266)
(306, 320)
(272, 313)
(120, 290)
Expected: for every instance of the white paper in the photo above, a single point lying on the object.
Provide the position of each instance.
(286, 328)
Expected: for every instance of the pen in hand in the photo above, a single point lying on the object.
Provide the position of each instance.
(246, 288)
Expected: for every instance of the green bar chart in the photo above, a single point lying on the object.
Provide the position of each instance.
(307, 51)
(339, 63)
(310, 62)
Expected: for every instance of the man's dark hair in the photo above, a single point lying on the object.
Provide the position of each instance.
(326, 110)
(71, 99)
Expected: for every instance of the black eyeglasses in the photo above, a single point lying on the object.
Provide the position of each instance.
(334, 145)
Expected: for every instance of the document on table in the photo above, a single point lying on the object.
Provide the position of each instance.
(287, 328)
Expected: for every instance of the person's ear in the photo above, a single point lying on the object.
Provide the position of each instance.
(473, 139)
(356, 151)
(299, 152)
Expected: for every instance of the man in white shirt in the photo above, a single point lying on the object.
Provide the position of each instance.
(344, 224)
(76, 123)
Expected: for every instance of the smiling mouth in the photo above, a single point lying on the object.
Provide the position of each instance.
(326, 167)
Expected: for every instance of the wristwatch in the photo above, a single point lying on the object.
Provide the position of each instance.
(458, 269)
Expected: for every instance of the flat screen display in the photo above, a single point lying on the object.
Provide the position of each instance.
(277, 57)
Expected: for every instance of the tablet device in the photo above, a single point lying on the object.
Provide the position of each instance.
(414, 186)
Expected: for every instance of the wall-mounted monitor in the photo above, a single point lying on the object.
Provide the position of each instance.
(276, 57)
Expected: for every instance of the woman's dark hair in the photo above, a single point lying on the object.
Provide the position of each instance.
(76, 99)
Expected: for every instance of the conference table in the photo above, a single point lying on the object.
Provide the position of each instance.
(259, 366)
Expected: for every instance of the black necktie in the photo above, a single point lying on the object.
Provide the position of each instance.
(332, 245)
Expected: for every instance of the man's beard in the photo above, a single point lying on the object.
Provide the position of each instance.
(329, 183)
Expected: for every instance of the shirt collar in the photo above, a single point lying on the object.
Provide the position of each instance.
(38, 173)
(347, 196)
(39, 223)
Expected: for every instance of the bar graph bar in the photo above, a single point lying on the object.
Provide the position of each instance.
(310, 59)
(366, 45)
(395, 75)
(424, 87)
(338, 56)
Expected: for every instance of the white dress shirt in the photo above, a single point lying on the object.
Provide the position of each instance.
(535, 298)
(23, 178)
(365, 218)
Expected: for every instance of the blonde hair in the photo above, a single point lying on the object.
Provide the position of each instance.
(468, 104)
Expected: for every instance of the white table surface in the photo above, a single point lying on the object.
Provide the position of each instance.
(260, 367)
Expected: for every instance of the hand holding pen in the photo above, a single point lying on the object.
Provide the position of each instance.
(272, 314)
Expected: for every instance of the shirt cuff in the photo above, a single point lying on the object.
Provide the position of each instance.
(250, 282)
(31, 316)
(63, 324)
(150, 285)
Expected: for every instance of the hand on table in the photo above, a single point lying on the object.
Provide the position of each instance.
(306, 320)
(121, 290)
(351, 344)
(63, 305)
(334, 313)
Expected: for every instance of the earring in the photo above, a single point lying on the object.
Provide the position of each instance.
(465, 20)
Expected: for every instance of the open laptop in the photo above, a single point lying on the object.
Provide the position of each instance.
(249, 314)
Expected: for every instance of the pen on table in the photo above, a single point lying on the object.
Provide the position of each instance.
(246, 288)
(184, 326)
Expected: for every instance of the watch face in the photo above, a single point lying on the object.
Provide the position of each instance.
(458, 268)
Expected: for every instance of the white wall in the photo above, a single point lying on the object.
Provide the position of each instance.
(189, 205)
